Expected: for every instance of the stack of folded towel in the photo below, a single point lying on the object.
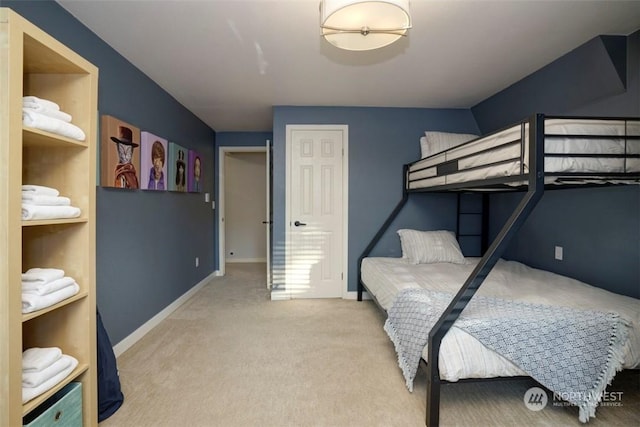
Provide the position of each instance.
(46, 115)
(42, 369)
(44, 287)
(40, 202)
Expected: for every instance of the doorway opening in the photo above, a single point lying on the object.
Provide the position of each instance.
(244, 222)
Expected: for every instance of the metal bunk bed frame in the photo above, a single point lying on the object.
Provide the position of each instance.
(534, 190)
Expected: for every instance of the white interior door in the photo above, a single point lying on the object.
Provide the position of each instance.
(316, 205)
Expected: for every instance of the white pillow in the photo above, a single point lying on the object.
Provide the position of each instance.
(426, 247)
(435, 142)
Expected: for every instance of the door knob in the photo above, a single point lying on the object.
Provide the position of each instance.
(298, 223)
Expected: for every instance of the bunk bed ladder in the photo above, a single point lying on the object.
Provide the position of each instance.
(484, 236)
(381, 231)
(467, 229)
(486, 264)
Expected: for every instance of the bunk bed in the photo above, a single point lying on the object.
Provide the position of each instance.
(539, 152)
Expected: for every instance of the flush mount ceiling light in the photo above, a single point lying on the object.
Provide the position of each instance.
(362, 24)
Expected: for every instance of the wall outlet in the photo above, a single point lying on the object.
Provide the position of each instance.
(559, 253)
(197, 262)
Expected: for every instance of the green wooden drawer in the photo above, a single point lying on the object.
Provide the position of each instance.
(63, 409)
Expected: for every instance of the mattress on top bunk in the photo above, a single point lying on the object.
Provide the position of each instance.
(461, 355)
(498, 155)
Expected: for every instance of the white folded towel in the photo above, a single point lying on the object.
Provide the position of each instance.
(44, 102)
(29, 393)
(42, 200)
(38, 358)
(34, 379)
(39, 190)
(33, 302)
(31, 212)
(42, 275)
(40, 121)
(39, 288)
(39, 108)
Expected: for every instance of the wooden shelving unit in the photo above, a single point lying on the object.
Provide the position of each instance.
(34, 63)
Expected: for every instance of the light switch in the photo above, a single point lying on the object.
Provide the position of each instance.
(559, 253)
(206, 197)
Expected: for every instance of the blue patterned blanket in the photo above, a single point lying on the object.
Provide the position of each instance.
(573, 353)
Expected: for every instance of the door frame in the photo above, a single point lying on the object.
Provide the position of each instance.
(222, 151)
(269, 219)
(345, 199)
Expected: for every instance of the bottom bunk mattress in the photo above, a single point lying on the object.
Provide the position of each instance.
(463, 356)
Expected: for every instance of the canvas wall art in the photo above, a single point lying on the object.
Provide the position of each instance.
(119, 154)
(153, 152)
(195, 175)
(177, 171)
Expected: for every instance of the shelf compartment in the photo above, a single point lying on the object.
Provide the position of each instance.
(42, 58)
(66, 327)
(67, 246)
(62, 169)
(66, 90)
(37, 401)
(50, 74)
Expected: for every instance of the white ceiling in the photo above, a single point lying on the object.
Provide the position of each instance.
(230, 61)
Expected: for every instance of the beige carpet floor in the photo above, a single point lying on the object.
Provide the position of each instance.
(231, 357)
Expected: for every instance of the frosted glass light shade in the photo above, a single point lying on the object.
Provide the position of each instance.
(364, 24)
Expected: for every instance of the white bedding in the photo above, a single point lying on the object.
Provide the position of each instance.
(424, 172)
(461, 355)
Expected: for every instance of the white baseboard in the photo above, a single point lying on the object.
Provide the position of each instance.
(354, 295)
(218, 273)
(136, 335)
(239, 260)
(280, 295)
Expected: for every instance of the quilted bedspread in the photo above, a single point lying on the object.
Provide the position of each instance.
(574, 353)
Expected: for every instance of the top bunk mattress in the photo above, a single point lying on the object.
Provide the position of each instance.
(461, 355)
(592, 148)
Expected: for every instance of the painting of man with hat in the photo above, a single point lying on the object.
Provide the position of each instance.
(120, 158)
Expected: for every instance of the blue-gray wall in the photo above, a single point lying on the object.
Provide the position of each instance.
(592, 71)
(381, 141)
(599, 228)
(146, 241)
